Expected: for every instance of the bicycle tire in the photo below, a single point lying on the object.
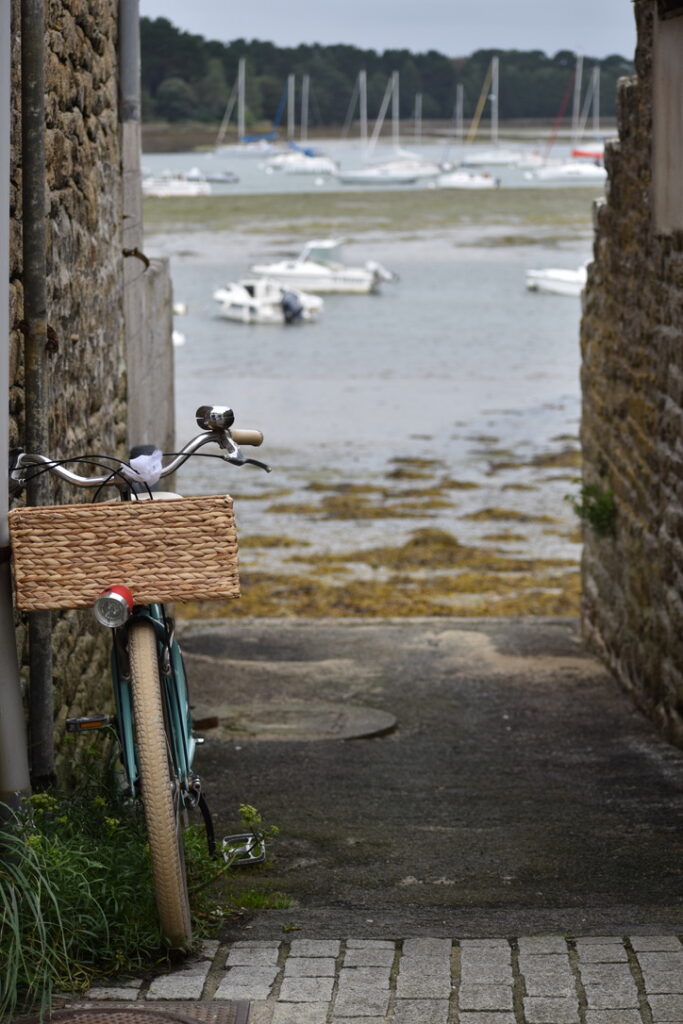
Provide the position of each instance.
(159, 788)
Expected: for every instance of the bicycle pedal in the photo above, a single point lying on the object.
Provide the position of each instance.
(88, 722)
(243, 850)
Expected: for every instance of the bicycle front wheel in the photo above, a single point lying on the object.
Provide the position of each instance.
(160, 788)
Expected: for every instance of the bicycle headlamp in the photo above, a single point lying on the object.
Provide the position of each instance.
(113, 606)
(215, 417)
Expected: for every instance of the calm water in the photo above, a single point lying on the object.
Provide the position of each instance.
(455, 361)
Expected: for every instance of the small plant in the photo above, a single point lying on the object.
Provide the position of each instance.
(595, 507)
(76, 894)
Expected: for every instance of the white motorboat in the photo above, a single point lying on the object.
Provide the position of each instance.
(573, 170)
(379, 174)
(557, 280)
(319, 269)
(467, 179)
(301, 162)
(174, 185)
(222, 177)
(404, 162)
(264, 301)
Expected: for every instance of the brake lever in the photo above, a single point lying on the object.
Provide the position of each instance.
(239, 460)
(16, 480)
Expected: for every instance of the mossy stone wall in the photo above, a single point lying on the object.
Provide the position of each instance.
(632, 431)
(85, 280)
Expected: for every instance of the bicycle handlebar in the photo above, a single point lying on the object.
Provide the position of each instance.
(228, 440)
(251, 437)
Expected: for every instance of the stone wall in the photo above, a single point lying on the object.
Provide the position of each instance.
(88, 378)
(632, 432)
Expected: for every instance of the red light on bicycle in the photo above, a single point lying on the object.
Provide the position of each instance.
(113, 606)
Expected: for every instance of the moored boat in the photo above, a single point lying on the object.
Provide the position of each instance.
(264, 301)
(319, 269)
(467, 179)
(557, 280)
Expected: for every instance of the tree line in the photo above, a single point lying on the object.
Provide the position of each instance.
(187, 77)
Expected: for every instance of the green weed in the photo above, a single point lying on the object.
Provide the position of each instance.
(77, 895)
(596, 507)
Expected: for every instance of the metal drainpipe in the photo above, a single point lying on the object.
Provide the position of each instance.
(35, 359)
(14, 774)
(129, 60)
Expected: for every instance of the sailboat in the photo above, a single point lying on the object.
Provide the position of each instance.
(585, 165)
(247, 145)
(496, 156)
(459, 177)
(403, 168)
(594, 148)
(300, 158)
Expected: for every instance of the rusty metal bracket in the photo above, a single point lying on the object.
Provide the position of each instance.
(139, 255)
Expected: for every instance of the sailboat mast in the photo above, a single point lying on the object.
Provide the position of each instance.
(495, 69)
(576, 109)
(241, 81)
(394, 108)
(388, 94)
(305, 87)
(596, 99)
(227, 114)
(363, 105)
(418, 117)
(460, 112)
(290, 106)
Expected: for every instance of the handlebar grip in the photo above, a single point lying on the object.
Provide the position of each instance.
(252, 437)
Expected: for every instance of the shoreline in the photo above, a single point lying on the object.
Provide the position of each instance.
(189, 136)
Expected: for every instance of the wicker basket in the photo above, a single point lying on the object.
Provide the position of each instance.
(177, 550)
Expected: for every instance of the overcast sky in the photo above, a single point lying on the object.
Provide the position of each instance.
(594, 28)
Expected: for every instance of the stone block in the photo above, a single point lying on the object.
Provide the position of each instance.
(369, 956)
(666, 1008)
(551, 1011)
(539, 944)
(613, 1017)
(662, 982)
(427, 986)
(306, 990)
(188, 984)
(421, 1011)
(607, 997)
(309, 967)
(485, 997)
(252, 957)
(353, 1002)
(300, 1013)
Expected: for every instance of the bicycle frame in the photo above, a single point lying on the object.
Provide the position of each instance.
(175, 699)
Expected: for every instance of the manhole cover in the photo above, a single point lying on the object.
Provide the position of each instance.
(303, 720)
(187, 1013)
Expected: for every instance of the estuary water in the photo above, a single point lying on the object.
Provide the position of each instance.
(454, 371)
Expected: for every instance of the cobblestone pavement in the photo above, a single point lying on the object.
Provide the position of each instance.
(551, 979)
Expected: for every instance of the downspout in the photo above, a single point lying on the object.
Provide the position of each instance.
(35, 360)
(14, 774)
(129, 62)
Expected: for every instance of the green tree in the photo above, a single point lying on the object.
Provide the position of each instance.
(202, 73)
(212, 90)
(176, 100)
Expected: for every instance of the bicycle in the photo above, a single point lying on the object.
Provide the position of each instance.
(152, 719)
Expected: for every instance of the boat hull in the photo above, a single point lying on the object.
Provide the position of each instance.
(556, 281)
(266, 301)
(341, 282)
